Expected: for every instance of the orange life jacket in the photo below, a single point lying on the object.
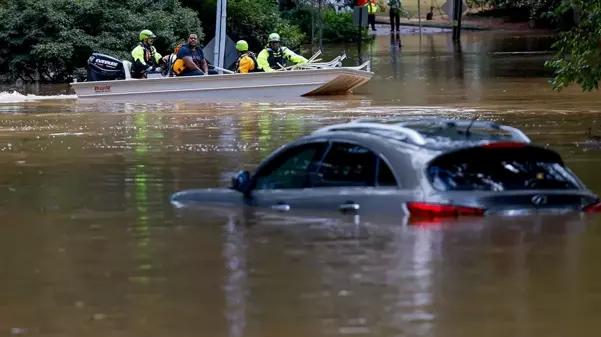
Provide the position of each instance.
(178, 66)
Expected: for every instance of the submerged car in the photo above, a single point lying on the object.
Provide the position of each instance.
(425, 168)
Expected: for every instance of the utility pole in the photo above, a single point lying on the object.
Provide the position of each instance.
(457, 13)
(220, 21)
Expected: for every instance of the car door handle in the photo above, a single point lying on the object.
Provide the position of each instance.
(349, 207)
(281, 207)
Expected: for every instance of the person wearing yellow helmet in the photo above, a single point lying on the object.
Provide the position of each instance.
(146, 58)
(274, 56)
(247, 61)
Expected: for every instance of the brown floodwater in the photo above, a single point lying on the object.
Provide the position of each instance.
(90, 246)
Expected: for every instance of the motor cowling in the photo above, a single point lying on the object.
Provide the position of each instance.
(102, 67)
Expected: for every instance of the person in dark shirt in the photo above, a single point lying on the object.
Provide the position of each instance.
(190, 59)
(395, 14)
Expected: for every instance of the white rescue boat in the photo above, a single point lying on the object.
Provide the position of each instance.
(313, 78)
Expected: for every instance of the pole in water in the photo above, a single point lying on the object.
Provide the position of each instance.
(419, 17)
(457, 13)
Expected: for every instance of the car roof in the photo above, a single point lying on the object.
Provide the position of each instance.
(434, 134)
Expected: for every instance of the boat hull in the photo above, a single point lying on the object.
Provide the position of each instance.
(240, 87)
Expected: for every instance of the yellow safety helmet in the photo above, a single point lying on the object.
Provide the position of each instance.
(242, 45)
(145, 34)
(274, 37)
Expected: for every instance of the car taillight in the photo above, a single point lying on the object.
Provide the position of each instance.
(425, 209)
(593, 208)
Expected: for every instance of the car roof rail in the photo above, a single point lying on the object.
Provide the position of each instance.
(406, 128)
(516, 134)
(364, 126)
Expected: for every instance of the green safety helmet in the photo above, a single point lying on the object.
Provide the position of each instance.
(242, 45)
(274, 37)
(146, 34)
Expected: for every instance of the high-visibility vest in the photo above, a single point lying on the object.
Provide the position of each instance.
(372, 7)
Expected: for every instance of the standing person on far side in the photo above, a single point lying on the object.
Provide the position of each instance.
(395, 14)
(430, 14)
(372, 9)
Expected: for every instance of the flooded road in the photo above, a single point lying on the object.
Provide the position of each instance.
(90, 245)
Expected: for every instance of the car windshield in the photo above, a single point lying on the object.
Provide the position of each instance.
(500, 170)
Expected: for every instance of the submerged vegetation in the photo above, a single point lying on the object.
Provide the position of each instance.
(578, 56)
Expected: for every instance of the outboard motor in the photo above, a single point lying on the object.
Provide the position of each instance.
(105, 68)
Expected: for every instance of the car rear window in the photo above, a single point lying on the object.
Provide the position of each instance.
(500, 169)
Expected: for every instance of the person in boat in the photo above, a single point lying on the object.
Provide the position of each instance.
(274, 56)
(247, 60)
(170, 59)
(146, 58)
(190, 59)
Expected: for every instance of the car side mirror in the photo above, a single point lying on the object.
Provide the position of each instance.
(240, 181)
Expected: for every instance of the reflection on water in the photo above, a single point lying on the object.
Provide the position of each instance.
(91, 246)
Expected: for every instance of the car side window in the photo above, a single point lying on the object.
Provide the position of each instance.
(347, 164)
(290, 169)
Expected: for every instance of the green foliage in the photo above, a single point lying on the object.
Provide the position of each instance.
(205, 10)
(478, 3)
(535, 8)
(254, 20)
(48, 39)
(336, 26)
(251, 20)
(339, 26)
(578, 58)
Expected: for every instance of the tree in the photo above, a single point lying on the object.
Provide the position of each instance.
(326, 20)
(252, 20)
(578, 58)
(47, 39)
(265, 19)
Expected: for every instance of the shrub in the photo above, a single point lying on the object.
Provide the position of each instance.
(336, 26)
(251, 20)
(264, 20)
(48, 39)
